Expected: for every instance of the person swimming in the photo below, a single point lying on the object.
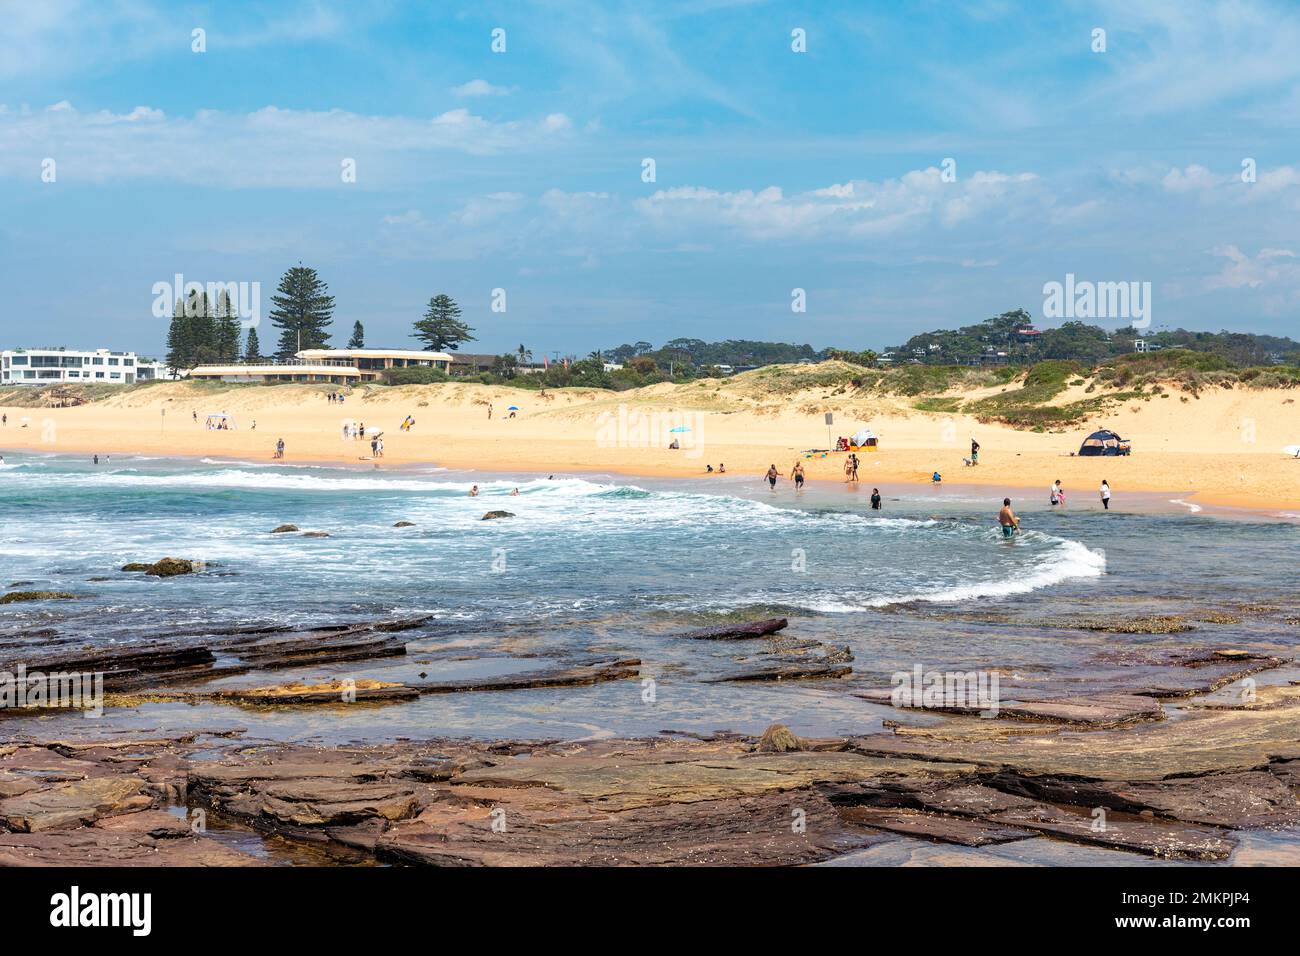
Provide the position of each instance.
(473, 492)
(772, 475)
(1007, 519)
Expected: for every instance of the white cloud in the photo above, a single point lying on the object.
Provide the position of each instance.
(1269, 267)
(480, 88)
(268, 147)
(859, 208)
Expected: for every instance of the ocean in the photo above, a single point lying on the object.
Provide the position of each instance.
(598, 566)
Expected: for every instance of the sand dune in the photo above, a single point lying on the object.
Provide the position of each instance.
(1223, 447)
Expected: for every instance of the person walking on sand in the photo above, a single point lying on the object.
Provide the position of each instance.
(279, 448)
(1007, 519)
(797, 473)
(374, 447)
(1105, 494)
(875, 499)
(974, 452)
(771, 476)
(489, 411)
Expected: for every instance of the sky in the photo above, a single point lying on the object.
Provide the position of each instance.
(908, 166)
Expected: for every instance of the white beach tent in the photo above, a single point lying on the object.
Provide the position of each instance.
(861, 436)
(220, 419)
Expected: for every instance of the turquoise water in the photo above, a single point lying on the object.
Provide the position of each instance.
(599, 566)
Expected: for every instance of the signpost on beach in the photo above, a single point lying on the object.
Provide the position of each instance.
(830, 420)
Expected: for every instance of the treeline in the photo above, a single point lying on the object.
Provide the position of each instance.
(207, 333)
(701, 354)
(1003, 338)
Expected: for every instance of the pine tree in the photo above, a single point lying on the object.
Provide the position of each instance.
(358, 340)
(303, 312)
(253, 348)
(177, 356)
(201, 330)
(227, 330)
(441, 327)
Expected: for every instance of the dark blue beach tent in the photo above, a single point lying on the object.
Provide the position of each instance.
(1104, 442)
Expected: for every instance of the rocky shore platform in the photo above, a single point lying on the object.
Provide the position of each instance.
(1181, 754)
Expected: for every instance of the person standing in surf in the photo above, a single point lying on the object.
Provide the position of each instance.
(1055, 494)
(1105, 494)
(797, 473)
(1007, 519)
(875, 499)
(772, 475)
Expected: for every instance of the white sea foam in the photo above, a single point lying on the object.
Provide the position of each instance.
(1193, 508)
(1066, 560)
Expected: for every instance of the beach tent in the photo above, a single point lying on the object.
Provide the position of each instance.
(220, 420)
(863, 438)
(1104, 442)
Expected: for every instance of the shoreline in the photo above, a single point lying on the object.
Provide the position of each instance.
(1191, 450)
(1148, 499)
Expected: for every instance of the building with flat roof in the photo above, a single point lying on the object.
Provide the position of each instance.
(372, 363)
(334, 366)
(58, 366)
(294, 370)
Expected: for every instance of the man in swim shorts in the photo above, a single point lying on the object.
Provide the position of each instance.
(797, 472)
(772, 475)
(1007, 519)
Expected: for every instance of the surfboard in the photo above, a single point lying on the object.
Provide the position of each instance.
(1292, 450)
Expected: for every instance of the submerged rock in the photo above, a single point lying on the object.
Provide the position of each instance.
(498, 514)
(315, 534)
(404, 524)
(283, 528)
(15, 596)
(164, 567)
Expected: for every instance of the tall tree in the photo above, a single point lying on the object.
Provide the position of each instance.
(177, 356)
(253, 348)
(441, 328)
(303, 310)
(201, 342)
(227, 329)
(525, 356)
(358, 340)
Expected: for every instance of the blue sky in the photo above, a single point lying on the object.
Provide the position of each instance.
(522, 170)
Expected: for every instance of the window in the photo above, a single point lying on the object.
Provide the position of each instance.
(112, 361)
(20, 359)
(99, 375)
(98, 361)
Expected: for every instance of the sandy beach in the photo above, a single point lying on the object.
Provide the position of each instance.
(1222, 448)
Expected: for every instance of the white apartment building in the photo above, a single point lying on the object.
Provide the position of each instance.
(55, 366)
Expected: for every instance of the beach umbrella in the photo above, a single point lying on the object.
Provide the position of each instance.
(513, 408)
(679, 428)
